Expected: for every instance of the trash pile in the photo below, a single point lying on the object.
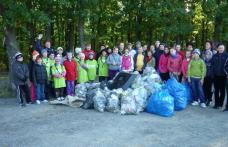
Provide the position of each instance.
(146, 93)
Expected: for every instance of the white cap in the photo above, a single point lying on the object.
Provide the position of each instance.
(78, 50)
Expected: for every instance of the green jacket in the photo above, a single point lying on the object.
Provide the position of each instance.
(102, 66)
(197, 68)
(59, 82)
(82, 73)
(92, 69)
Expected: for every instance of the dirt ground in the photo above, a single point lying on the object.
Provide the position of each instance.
(48, 125)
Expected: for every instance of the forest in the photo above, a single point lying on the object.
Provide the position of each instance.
(73, 23)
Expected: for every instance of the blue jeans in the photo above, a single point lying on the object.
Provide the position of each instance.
(40, 92)
(197, 90)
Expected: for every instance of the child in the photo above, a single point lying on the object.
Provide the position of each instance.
(87, 51)
(174, 64)
(127, 62)
(20, 73)
(150, 60)
(208, 80)
(31, 66)
(58, 71)
(71, 73)
(103, 66)
(77, 54)
(162, 66)
(184, 67)
(196, 74)
(82, 70)
(60, 53)
(139, 61)
(114, 62)
(92, 67)
(50, 84)
(132, 51)
(45, 62)
(40, 79)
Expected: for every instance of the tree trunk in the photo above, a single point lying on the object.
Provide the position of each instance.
(11, 46)
(81, 32)
(218, 24)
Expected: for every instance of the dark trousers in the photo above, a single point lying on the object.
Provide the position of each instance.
(227, 93)
(207, 88)
(164, 76)
(102, 78)
(23, 94)
(197, 90)
(219, 84)
(40, 92)
(51, 90)
(112, 74)
(59, 92)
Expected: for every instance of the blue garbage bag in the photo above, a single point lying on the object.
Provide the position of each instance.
(161, 103)
(178, 91)
(188, 92)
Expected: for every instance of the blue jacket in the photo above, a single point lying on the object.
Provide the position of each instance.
(218, 64)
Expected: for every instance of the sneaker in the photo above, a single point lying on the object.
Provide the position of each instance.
(59, 99)
(38, 102)
(22, 105)
(45, 101)
(62, 98)
(203, 105)
(195, 103)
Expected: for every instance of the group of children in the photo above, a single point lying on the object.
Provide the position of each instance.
(51, 74)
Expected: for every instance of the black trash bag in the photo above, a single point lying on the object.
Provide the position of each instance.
(88, 104)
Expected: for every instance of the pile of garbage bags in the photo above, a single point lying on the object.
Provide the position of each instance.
(147, 93)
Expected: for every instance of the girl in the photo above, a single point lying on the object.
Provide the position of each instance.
(103, 67)
(58, 71)
(114, 62)
(92, 66)
(71, 73)
(82, 69)
(174, 64)
(127, 62)
(163, 69)
(184, 67)
(196, 74)
(40, 79)
(150, 60)
(139, 61)
(208, 80)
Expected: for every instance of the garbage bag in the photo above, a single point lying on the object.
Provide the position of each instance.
(128, 104)
(188, 92)
(177, 90)
(113, 102)
(138, 82)
(88, 104)
(90, 86)
(140, 96)
(81, 90)
(99, 100)
(153, 87)
(161, 103)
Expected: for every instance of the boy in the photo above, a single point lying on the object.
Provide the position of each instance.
(103, 66)
(82, 70)
(92, 67)
(196, 74)
(40, 79)
(20, 73)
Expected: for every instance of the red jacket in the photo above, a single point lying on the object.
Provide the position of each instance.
(174, 63)
(182, 53)
(163, 63)
(71, 70)
(87, 52)
(184, 67)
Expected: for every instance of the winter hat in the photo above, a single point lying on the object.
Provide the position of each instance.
(35, 54)
(78, 50)
(38, 57)
(43, 51)
(18, 55)
(59, 48)
(197, 51)
(58, 57)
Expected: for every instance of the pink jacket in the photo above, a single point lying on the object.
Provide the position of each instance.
(184, 67)
(163, 63)
(174, 63)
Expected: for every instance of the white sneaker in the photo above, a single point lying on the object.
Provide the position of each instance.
(45, 101)
(203, 105)
(59, 99)
(62, 98)
(195, 103)
(38, 102)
